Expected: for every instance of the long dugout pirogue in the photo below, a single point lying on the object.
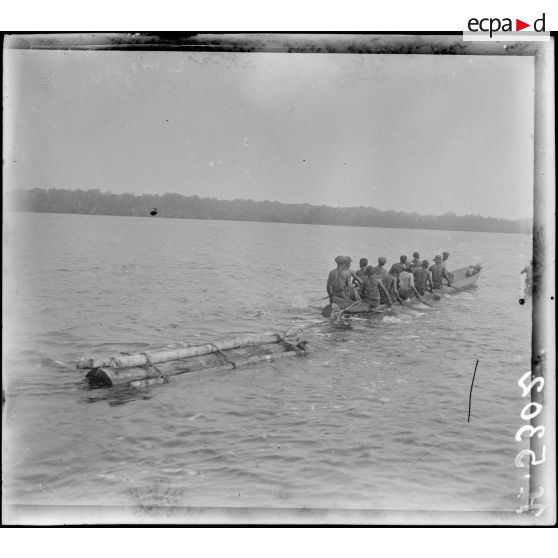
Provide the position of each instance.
(260, 348)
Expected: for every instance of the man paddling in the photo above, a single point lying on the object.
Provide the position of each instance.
(361, 273)
(372, 287)
(407, 284)
(355, 282)
(381, 268)
(383, 276)
(400, 266)
(391, 285)
(363, 264)
(338, 281)
(439, 273)
(423, 278)
(445, 257)
(415, 262)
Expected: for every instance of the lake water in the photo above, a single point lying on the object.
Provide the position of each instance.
(375, 418)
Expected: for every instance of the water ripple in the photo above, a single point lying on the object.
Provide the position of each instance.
(375, 418)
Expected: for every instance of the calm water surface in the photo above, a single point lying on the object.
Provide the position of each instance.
(375, 418)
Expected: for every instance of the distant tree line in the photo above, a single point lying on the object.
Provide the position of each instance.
(95, 202)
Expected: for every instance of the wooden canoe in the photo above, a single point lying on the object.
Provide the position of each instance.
(155, 367)
(463, 279)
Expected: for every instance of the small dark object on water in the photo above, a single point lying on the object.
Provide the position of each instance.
(521, 301)
(154, 211)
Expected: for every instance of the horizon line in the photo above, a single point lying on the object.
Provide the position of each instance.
(517, 219)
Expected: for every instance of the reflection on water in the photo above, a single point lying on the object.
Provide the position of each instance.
(375, 417)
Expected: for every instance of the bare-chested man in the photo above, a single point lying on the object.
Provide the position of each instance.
(381, 268)
(360, 273)
(415, 262)
(407, 283)
(355, 282)
(372, 287)
(423, 278)
(439, 272)
(391, 284)
(445, 258)
(339, 280)
(400, 265)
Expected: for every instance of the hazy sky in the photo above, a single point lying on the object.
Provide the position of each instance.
(429, 134)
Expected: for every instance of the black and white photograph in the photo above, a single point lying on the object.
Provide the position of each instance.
(278, 278)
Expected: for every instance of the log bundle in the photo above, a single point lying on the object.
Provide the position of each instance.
(155, 367)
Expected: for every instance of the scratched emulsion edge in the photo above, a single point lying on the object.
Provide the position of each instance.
(543, 349)
(543, 478)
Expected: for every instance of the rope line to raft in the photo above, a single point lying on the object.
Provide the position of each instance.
(149, 363)
(227, 358)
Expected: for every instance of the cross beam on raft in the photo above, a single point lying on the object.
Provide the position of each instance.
(163, 355)
(243, 351)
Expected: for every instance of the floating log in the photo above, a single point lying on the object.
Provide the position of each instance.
(226, 359)
(117, 362)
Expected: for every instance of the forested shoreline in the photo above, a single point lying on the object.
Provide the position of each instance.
(95, 202)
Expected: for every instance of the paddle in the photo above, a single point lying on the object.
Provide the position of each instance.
(456, 288)
(424, 302)
(391, 303)
(326, 312)
(422, 299)
(384, 288)
(392, 308)
(349, 307)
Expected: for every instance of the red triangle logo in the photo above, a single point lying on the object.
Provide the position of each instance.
(519, 25)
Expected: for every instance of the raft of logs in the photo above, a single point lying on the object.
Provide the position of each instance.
(155, 367)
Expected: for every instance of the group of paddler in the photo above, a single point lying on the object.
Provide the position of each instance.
(376, 285)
